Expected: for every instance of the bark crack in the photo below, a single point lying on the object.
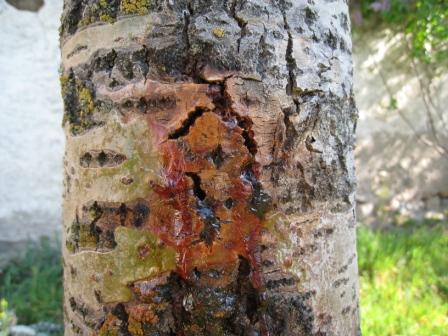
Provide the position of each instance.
(197, 190)
(290, 61)
(187, 13)
(241, 23)
(187, 123)
(264, 54)
(223, 103)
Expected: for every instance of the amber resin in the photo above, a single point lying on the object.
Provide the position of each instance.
(208, 208)
(205, 204)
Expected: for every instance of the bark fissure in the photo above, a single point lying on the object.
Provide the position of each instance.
(186, 124)
(222, 101)
(241, 23)
(290, 60)
(187, 14)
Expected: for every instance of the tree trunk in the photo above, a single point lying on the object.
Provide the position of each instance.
(209, 179)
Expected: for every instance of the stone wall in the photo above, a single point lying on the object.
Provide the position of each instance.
(402, 166)
(31, 138)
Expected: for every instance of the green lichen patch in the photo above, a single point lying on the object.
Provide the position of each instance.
(140, 7)
(129, 180)
(109, 274)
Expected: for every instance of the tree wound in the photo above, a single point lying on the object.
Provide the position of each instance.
(208, 208)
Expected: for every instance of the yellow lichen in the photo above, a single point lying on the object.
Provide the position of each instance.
(86, 107)
(106, 18)
(135, 328)
(135, 6)
(76, 129)
(219, 32)
(139, 314)
(86, 101)
(97, 12)
(64, 82)
(85, 21)
(109, 327)
(113, 332)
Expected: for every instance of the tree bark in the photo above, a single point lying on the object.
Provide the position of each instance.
(209, 177)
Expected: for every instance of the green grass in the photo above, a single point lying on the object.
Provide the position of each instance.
(404, 280)
(32, 285)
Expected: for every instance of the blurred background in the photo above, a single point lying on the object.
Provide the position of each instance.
(400, 59)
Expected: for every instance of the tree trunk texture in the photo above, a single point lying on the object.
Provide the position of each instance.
(209, 176)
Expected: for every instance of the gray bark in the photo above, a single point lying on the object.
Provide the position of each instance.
(209, 185)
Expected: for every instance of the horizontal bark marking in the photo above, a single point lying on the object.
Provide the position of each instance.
(124, 33)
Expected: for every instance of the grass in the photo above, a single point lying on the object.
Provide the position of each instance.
(404, 281)
(32, 285)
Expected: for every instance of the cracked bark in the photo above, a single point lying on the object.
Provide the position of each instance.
(209, 174)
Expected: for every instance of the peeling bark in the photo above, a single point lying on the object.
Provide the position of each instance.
(209, 174)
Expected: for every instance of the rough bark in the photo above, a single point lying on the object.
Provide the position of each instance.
(209, 174)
